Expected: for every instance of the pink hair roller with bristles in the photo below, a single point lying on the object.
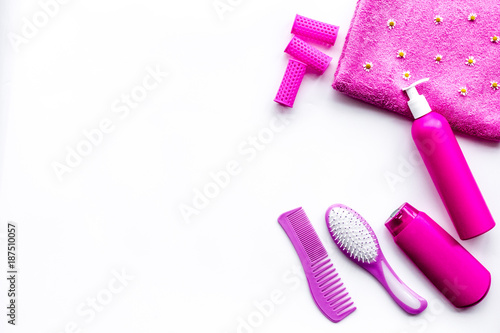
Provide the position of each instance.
(319, 31)
(309, 55)
(290, 84)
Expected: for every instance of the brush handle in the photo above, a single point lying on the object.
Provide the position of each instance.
(406, 298)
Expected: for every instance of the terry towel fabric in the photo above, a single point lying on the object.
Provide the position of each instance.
(454, 43)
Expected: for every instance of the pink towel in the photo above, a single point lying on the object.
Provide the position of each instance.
(392, 43)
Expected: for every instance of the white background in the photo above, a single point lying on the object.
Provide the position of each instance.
(118, 210)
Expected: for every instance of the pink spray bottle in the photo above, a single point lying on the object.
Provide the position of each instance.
(448, 168)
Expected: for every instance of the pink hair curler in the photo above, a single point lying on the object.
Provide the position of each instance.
(356, 239)
(324, 283)
(309, 55)
(316, 30)
(290, 84)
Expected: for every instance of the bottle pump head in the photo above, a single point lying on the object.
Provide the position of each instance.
(417, 103)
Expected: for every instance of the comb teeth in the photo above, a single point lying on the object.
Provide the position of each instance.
(307, 235)
(332, 288)
(352, 234)
(325, 285)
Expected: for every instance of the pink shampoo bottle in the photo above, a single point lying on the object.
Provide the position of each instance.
(448, 168)
(455, 272)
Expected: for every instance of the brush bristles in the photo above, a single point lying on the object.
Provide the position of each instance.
(353, 235)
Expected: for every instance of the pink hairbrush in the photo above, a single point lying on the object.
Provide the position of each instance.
(324, 283)
(354, 236)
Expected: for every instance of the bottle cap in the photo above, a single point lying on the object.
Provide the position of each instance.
(401, 218)
(417, 103)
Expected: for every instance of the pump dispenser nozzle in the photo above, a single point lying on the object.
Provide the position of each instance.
(417, 103)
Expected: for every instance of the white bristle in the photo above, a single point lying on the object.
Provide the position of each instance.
(353, 235)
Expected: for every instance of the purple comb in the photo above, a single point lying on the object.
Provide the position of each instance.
(319, 31)
(309, 55)
(325, 285)
(356, 239)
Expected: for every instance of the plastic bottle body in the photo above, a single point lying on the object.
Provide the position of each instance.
(451, 175)
(460, 277)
